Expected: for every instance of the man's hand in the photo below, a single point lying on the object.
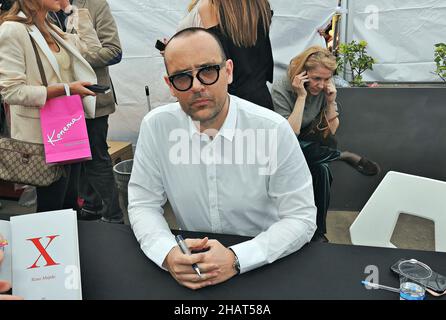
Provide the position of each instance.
(299, 84)
(224, 258)
(180, 265)
(330, 92)
(215, 264)
(6, 286)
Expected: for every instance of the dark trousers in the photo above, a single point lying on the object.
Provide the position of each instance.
(97, 185)
(62, 194)
(318, 157)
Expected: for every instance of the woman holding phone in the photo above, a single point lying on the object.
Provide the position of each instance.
(25, 30)
(306, 96)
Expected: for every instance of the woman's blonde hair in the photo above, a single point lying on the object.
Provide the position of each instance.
(239, 19)
(30, 8)
(310, 59)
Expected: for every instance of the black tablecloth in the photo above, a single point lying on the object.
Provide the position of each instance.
(114, 267)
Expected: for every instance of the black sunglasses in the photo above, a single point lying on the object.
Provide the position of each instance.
(207, 75)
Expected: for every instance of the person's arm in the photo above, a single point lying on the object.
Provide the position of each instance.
(13, 84)
(109, 51)
(284, 103)
(290, 187)
(295, 118)
(147, 196)
(78, 87)
(208, 14)
(13, 78)
(298, 85)
(332, 108)
(81, 33)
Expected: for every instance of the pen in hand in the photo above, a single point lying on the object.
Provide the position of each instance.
(186, 250)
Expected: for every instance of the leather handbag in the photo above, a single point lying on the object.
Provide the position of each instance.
(319, 129)
(24, 163)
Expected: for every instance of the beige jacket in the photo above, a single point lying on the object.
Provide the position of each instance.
(109, 52)
(20, 81)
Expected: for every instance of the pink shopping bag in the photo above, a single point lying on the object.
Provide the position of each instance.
(64, 130)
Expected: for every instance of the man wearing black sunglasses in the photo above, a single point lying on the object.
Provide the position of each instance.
(202, 88)
(187, 153)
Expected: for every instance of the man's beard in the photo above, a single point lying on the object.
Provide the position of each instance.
(213, 108)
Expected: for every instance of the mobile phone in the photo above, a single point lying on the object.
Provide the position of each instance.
(306, 83)
(160, 45)
(436, 282)
(97, 88)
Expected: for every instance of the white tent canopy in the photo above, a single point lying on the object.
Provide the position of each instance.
(400, 33)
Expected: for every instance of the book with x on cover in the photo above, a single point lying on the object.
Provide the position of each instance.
(41, 255)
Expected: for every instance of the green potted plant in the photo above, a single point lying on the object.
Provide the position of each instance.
(354, 56)
(440, 60)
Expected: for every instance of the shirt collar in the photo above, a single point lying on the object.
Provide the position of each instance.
(227, 130)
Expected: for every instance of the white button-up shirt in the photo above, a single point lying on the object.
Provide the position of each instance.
(251, 179)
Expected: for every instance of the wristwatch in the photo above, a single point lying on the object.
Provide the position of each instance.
(236, 264)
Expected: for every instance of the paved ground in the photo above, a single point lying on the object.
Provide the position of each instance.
(410, 232)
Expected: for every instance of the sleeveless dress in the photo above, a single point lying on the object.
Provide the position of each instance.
(253, 67)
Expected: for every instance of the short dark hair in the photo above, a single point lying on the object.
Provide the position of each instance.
(193, 30)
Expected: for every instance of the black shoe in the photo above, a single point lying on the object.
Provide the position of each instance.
(368, 167)
(365, 166)
(88, 215)
(319, 237)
